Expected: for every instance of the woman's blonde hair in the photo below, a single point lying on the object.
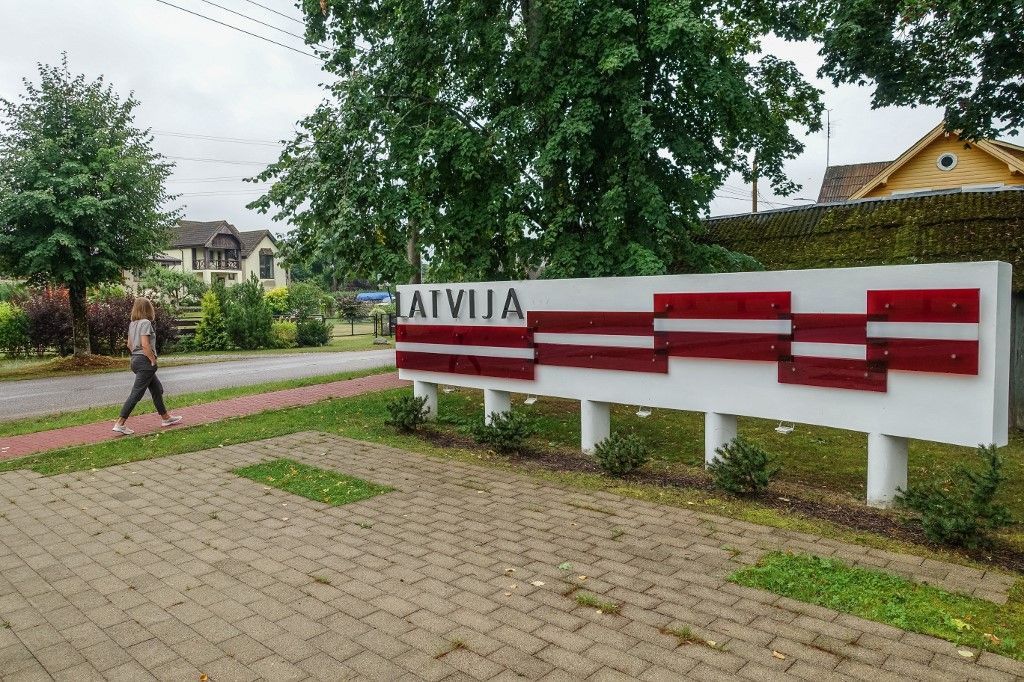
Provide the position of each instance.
(143, 309)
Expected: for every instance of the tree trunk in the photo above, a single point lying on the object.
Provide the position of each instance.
(412, 252)
(79, 321)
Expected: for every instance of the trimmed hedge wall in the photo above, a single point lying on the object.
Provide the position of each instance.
(955, 227)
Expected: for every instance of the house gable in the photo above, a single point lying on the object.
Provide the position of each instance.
(973, 164)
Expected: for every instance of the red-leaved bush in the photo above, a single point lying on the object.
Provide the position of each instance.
(49, 314)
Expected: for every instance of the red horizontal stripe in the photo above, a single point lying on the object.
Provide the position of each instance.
(830, 328)
(925, 305)
(742, 305)
(927, 355)
(602, 357)
(833, 373)
(466, 335)
(723, 345)
(577, 322)
(476, 365)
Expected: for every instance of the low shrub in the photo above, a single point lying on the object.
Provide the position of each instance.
(507, 431)
(284, 335)
(249, 317)
(277, 299)
(210, 332)
(619, 455)
(14, 338)
(13, 292)
(313, 332)
(961, 512)
(49, 320)
(407, 412)
(742, 468)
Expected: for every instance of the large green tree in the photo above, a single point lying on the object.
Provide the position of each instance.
(966, 57)
(81, 189)
(586, 137)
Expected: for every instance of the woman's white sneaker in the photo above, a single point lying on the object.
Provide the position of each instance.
(171, 421)
(122, 429)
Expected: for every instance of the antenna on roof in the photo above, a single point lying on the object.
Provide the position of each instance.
(828, 137)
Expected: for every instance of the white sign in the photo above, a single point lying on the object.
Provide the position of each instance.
(918, 351)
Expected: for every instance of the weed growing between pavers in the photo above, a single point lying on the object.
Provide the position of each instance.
(893, 600)
(312, 483)
(593, 601)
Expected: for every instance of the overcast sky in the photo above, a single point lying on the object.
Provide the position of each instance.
(194, 77)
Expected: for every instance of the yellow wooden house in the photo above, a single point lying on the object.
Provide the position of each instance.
(939, 161)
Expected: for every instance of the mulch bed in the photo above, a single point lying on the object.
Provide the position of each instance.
(856, 517)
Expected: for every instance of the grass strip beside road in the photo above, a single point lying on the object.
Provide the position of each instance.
(94, 414)
(893, 600)
(311, 482)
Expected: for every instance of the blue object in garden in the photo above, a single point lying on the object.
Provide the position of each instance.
(375, 296)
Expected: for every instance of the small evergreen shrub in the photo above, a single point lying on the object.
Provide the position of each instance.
(313, 332)
(619, 455)
(211, 333)
(249, 315)
(742, 468)
(284, 335)
(13, 330)
(507, 431)
(407, 412)
(961, 512)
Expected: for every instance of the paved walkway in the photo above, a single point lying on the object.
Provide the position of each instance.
(31, 443)
(175, 568)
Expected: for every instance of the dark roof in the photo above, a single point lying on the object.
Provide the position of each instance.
(840, 182)
(250, 240)
(937, 227)
(194, 233)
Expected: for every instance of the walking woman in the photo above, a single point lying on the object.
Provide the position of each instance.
(142, 345)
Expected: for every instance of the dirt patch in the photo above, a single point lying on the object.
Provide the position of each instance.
(853, 516)
(85, 363)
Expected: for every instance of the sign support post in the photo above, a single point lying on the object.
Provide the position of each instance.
(496, 402)
(887, 468)
(719, 430)
(595, 424)
(425, 389)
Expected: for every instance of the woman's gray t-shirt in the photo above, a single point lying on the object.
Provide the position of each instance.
(136, 330)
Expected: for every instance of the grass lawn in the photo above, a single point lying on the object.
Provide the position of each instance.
(49, 367)
(891, 599)
(94, 414)
(677, 438)
(312, 483)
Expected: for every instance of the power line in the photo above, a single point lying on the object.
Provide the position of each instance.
(282, 14)
(254, 20)
(216, 138)
(240, 30)
(206, 160)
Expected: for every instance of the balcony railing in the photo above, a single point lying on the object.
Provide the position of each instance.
(216, 264)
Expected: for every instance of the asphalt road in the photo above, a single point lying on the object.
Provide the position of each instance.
(46, 396)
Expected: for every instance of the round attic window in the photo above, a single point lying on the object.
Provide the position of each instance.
(946, 162)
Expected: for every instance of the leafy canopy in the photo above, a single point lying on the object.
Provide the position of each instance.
(965, 57)
(584, 136)
(81, 188)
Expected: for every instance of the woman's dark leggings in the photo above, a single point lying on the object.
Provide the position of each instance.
(145, 377)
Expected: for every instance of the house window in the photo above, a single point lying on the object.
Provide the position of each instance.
(946, 162)
(266, 266)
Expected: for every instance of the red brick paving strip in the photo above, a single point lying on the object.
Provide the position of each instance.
(31, 443)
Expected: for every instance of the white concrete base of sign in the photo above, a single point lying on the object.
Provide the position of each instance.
(425, 389)
(595, 424)
(719, 429)
(496, 402)
(887, 468)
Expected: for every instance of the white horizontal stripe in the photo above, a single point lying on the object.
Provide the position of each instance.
(939, 331)
(848, 351)
(604, 340)
(456, 349)
(734, 326)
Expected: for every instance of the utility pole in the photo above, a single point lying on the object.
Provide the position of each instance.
(753, 192)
